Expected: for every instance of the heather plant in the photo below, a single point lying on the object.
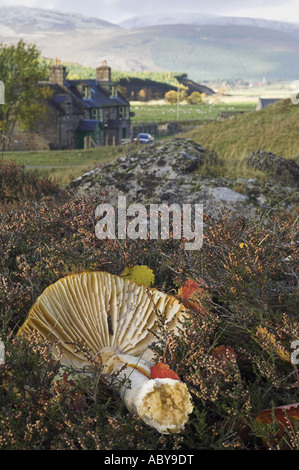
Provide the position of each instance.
(17, 183)
(233, 349)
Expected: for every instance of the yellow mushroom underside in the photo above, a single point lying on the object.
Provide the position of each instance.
(102, 310)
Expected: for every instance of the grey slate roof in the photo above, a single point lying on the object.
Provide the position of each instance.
(99, 96)
(263, 102)
(58, 98)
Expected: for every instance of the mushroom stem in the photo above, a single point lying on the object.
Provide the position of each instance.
(164, 404)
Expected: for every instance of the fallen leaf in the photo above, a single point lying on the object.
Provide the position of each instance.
(224, 353)
(163, 371)
(190, 293)
(285, 415)
(141, 275)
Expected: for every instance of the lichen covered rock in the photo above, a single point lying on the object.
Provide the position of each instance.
(167, 172)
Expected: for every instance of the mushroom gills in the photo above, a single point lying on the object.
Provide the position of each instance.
(114, 318)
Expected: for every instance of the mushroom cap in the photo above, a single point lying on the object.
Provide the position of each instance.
(100, 310)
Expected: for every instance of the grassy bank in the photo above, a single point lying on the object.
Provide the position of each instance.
(64, 165)
(273, 129)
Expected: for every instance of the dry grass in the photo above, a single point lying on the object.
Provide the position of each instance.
(273, 129)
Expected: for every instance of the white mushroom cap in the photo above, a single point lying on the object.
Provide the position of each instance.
(104, 310)
(114, 318)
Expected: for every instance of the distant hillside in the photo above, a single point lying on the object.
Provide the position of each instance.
(228, 49)
(193, 18)
(25, 21)
(136, 89)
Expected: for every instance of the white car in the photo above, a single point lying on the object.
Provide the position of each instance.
(144, 138)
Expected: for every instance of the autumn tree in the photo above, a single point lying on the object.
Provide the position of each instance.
(194, 98)
(171, 96)
(143, 94)
(20, 71)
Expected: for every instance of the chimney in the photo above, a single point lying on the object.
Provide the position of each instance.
(57, 73)
(103, 73)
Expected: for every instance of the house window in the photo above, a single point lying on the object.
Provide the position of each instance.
(94, 113)
(113, 90)
(86, 92)
(123, 112)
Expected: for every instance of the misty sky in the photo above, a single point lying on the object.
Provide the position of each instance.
(118, 10)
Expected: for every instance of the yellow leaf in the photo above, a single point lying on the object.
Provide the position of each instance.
(141, 275)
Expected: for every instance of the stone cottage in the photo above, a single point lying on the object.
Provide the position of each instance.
(81, 113)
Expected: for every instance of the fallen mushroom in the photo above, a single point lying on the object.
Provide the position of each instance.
(115, 317)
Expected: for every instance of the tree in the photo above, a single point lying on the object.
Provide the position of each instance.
(20, 71)
(171, 96)
(143, 94)
(194, 98)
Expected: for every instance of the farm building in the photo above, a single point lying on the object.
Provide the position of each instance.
(263, 102)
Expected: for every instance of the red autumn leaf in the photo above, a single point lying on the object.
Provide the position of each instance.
(224, 353)
(188, 289)
(285, 415)
(162, 371)
(189, 293)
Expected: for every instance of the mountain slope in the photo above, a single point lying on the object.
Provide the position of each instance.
(194, 18)
(21, 21)
(204, 52)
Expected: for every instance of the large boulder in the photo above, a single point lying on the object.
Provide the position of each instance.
(285, 170)
(167, 172)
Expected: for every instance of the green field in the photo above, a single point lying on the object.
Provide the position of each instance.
(65, 165)
(169, 112)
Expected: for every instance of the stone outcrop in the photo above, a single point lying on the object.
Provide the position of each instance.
(284, 170)
(167, 172)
